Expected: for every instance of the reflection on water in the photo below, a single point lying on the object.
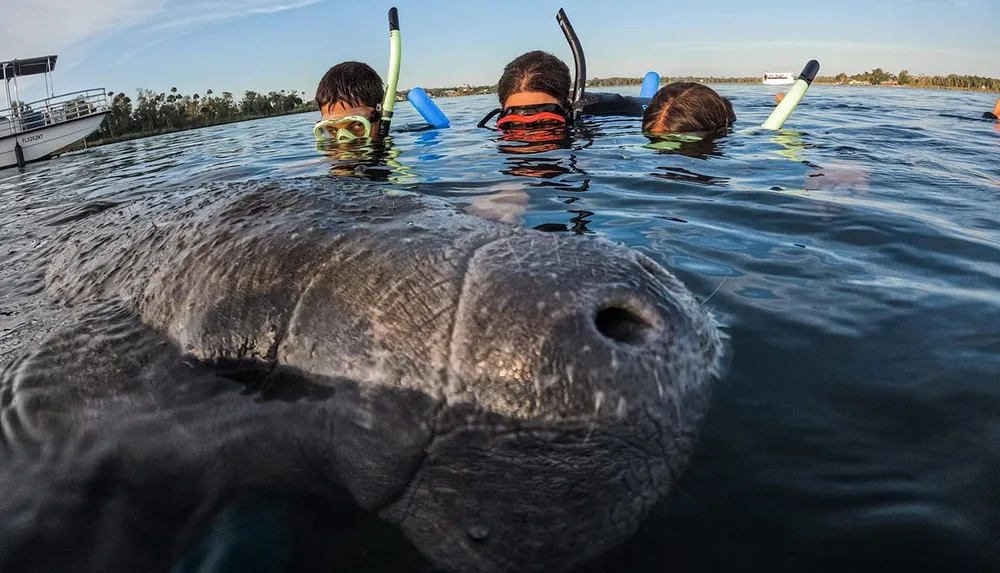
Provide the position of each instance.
(363, 159)
(840, 176)
(791, 143)
(853, 261)
(689, 146)
(681, 174)
(541, 167)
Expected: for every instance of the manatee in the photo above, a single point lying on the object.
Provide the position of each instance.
(510, 400)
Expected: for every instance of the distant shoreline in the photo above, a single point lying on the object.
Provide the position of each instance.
(467, 90)
(913, 87)
(463, 91)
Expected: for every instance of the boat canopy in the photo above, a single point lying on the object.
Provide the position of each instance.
(27, 67)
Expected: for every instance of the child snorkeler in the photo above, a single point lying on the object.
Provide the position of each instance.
(533, 92)
(350, 98)
(684, 107)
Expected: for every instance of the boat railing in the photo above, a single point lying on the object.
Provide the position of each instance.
(52, 111)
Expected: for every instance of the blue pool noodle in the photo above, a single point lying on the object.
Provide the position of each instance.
(431, 113)
(650, 84)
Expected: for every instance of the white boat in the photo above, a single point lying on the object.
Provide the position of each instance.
(37, 130)
(779, 78)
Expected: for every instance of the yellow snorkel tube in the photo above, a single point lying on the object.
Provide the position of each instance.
(784, 109)
(392, 78)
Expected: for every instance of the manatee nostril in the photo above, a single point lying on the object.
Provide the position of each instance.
(622, 325)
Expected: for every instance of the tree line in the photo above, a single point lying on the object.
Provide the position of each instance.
(467, 90)
(878, 76)
(453, 91)
(617, 81)
(153, 113)
(874, 77)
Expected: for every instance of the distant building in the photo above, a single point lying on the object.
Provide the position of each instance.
(778, 79)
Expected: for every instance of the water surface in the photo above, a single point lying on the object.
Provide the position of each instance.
(852, 259)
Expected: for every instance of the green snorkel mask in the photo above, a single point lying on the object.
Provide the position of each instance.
(346, 128)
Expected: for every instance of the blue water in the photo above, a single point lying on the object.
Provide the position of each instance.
(853, 261)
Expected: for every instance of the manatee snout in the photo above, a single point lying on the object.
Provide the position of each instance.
(579, 373)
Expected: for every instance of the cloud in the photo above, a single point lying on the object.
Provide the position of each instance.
(31, 28)
(184, 16)
(283, 7)
(188, 15)
(41, 27)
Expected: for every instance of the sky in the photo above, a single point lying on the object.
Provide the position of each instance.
(265, 45)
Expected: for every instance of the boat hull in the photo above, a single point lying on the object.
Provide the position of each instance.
(37, 144)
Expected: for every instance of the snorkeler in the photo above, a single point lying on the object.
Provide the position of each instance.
(684, 107)
(350, 98)
(544, 94)
(995, 114)
(533, 92)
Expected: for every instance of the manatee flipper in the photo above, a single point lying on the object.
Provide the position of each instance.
(115, 439)
(123, 486)
(103, 360)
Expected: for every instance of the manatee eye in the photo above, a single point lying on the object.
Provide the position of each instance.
(479, 532)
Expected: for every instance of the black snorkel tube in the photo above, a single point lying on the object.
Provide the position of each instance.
(580, 63)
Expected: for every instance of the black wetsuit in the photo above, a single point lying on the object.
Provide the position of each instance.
(600, 103)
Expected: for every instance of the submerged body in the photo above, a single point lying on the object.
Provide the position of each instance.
(511, 400)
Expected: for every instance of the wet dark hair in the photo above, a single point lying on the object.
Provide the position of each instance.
(685, 106)
(535, 71)
(353, 83)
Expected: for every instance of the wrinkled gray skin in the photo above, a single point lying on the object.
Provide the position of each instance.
(512, 400)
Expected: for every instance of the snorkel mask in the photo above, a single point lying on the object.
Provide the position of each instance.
(346, 128)
(540, 127)
(527, 117)
(532, 116)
